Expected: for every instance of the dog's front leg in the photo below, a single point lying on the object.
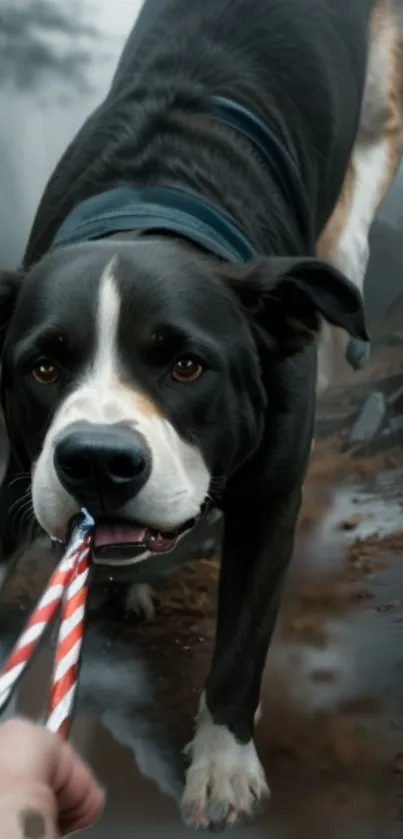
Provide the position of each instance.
(225, 780)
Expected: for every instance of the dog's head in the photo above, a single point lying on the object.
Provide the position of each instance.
(132, 381)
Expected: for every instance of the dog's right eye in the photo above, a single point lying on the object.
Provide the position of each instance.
(45, 372)
(187, 370)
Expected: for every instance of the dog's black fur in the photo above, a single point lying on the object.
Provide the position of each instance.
(300, 66)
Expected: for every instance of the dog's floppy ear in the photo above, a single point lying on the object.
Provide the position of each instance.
(287, 297)
(10, 284)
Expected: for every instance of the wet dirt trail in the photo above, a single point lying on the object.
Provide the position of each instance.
(331, 735)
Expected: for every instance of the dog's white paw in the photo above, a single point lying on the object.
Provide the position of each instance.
(140, 601)
(225, 782)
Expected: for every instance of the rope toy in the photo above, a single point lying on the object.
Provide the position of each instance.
(67, 588)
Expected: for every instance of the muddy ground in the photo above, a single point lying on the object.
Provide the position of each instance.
(331, 736)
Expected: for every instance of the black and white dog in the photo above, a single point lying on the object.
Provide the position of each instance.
(158, 347)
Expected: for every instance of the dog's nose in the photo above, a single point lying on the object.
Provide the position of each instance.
(102, 467)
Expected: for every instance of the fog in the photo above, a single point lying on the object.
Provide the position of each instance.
(37, 124)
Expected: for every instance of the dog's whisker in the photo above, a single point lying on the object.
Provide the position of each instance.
(20, 505)
(21, 476)
(27, 517)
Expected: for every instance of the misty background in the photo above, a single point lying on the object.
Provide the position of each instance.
(57, 58)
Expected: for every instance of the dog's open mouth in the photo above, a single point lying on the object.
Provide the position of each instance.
(119, 540)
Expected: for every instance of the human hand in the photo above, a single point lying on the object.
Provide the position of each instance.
(45, 789)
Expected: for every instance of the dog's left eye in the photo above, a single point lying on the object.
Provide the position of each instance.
(187, 370)
(45, 372)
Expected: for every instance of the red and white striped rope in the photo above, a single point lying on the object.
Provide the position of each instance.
(68, 649)
(68, 585)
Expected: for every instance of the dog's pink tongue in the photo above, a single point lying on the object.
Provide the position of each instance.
(119, 534)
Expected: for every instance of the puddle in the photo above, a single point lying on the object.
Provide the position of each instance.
(358, 511)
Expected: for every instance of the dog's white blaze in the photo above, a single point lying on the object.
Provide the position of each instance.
(225, 779)
(108, 314)
(179, 478)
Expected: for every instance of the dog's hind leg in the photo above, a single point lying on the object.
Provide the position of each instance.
(374, 161)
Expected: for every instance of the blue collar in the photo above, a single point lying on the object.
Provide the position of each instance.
(182, 211)
(155, 208)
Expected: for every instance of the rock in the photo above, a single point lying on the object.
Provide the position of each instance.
(369, 420)
(358, 353)
(396, 423)
(352, 522)
(396, 396)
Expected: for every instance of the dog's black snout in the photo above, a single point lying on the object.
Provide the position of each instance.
(102, 467)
